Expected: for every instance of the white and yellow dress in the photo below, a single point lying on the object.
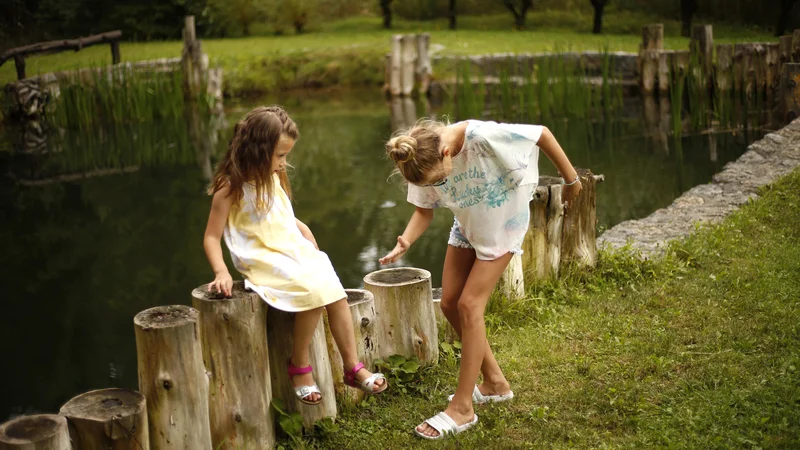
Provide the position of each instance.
(277, 262)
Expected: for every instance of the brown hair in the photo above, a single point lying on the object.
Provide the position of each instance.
(249, 155)
(416, 150)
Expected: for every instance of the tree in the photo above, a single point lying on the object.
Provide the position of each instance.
(598, 5)
(452, 14)
(519, 8)
(231, 16)
(387, 13)
(783, 19)
(688, 8)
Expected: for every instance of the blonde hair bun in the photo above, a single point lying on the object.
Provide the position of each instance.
(402, 148)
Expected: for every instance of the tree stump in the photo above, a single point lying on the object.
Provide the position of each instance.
(404, 307)
(362, 309)
(233, 333)
(512, 283)
(579, 239)
(172, 378)
(542, 245)
(446, 331)
(408, 63)
(108, 419)
(280, 335)
(723, 69)
(38, 432)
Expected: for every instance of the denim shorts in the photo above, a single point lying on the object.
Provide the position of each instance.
(457, 239)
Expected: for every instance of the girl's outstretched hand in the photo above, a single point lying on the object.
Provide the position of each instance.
(399, 250)
(569, 193)
(222, 284)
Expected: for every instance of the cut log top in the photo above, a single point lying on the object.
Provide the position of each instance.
(238, 292)
(358, 296)
(104, 405)
(32, 429)
(397, 277)
(165, 317)
(546, 180)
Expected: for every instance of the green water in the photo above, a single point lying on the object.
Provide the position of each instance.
(103, 223)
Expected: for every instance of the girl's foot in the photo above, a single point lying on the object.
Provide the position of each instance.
(502, 388)
(459, 417)
(365, 380)
(303, 382)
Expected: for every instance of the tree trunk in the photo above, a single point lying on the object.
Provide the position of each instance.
(233, 333)
(172, 378)
(280, 335)
(599, 6)
(519, 15)
(39, 432)
(783, 18)
(108, 419)
(511, 283)
(362, 310)
(446, 331)
(452, 13)
(404, 308)
(688, 8)
(386, 8)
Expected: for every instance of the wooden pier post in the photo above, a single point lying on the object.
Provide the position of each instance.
(739, 71)
(408, 61)
(663, 70)
(233, 332)
(362, 310)
(280, 335)
(193, 61)
(404, 308)
(723, 69)
(702, 45)
(172, 378)
(424, 69)
(395, 84)
(108, 419)
(652, 43)
(38, 432)
(790, 91)
(795, 49)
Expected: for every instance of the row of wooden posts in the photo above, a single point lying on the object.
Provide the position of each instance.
(408, 66)
(744, 66)
(208, 373)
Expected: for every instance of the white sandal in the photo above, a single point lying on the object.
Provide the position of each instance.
(367, 385)
(480, 399)
(445, 425)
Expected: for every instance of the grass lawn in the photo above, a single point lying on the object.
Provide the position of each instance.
(697, 350)
(351, 51)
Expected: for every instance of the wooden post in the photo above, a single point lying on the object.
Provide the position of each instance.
(738, 66)
(681, 63)
(512, 283)
(404, 307)
(387, 75)
(172, 378)
(723, 69)
(233, 332)
(362, 310)
(280, 335)
(194, 64)
(663, 70)
(424, 68)
(579, 239)
(408, 63)
(702, 44)
(108, 419)
(785, 48)
(446, 331)
(542, 244)
(39, 432)
(795, 51)
(652, 43)
(115, 58)
(773, 64)
(19, 63)
(395, 84)
(790, 91)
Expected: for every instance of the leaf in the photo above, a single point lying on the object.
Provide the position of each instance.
(396, 360)
(410, 367)
(277, 404)
(457, 344)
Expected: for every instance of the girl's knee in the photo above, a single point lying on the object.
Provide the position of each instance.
(470, 310)
(449, 306)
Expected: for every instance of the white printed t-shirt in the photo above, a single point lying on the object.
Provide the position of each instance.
(492, 182)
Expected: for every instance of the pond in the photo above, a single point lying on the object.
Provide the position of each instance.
(106, 222)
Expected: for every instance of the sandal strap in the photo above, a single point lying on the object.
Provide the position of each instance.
(305, 391)
(442, 423)
(370, 382)
(356, 368)
(294, 370)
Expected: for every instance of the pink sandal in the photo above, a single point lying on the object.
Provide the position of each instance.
(366, 385)
(304, 391)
